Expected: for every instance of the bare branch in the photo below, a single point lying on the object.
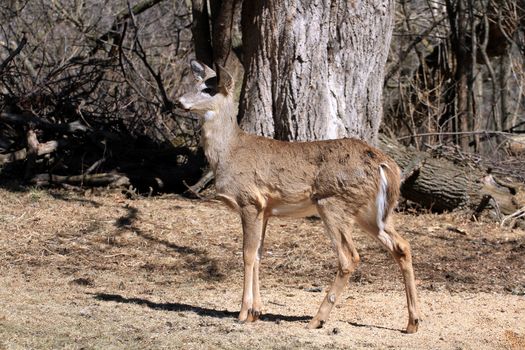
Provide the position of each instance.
(113, 35)
(13, 54)
(478, 132)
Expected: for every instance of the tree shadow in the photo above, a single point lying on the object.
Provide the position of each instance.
(63, 196)
(8, 183)
(17, 186)
(361, 325)
(201, 311)
(127, 221)
(194, 258)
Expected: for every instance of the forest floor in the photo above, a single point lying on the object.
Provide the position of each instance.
(102, 271)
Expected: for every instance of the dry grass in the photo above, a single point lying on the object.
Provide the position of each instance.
(515, 341)
(103, 271)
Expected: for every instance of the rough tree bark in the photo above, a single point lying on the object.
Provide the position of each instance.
(314, 69)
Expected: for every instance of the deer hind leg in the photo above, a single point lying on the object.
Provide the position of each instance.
(337, 227)
(252, 226)
(401, 252)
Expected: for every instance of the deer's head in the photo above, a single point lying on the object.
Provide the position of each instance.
(211, 90)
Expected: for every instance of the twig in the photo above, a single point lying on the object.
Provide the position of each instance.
(476, 132)
(204, 180)
(190, 190)
(139, 50)
(115, 255)
(13, 54)
(94, 166)
(515, 216)
(412, 45)
(122, 16)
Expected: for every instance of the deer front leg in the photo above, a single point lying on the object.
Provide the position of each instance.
(257, 302)
(252, 226)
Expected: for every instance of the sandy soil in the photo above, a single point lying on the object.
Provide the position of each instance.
(88, 271)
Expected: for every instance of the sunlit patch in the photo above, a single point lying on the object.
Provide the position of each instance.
(209, 115)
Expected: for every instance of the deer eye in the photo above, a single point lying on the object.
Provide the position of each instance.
(209, 91)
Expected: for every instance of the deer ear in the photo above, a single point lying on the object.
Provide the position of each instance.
(224, 79)
(198, 69)
(201, 71)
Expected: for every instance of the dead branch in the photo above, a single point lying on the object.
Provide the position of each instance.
(41, 123)
(104, 179)
(13, 156)
(200, 185)
(513, 217)
(13, 54)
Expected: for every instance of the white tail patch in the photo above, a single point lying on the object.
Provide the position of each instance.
(381, 200)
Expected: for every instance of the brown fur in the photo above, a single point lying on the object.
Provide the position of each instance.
(261, 177)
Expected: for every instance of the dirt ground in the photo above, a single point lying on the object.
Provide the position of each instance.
(101, 271)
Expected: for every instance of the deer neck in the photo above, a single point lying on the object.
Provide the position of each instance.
(219, 132)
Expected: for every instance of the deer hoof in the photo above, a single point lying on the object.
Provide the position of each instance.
(243, 316)
(253, 315)
(412, 327)
(315, 324)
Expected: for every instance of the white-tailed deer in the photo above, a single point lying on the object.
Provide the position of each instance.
(260, 177)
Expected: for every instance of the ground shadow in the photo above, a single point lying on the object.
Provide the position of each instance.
(374, 326)
(8, 183)
(63, 196)
(127, 221)
(195, 258)
(201, 311)
(17, 186)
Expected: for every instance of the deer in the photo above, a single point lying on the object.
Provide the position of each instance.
(342, 181)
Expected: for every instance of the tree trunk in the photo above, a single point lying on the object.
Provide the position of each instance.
(200, 28)
(314, 69)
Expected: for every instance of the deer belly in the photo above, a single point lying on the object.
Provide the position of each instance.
(297, 209)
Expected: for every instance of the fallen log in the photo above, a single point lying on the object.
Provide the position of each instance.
(442, 185)
(437, 184)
